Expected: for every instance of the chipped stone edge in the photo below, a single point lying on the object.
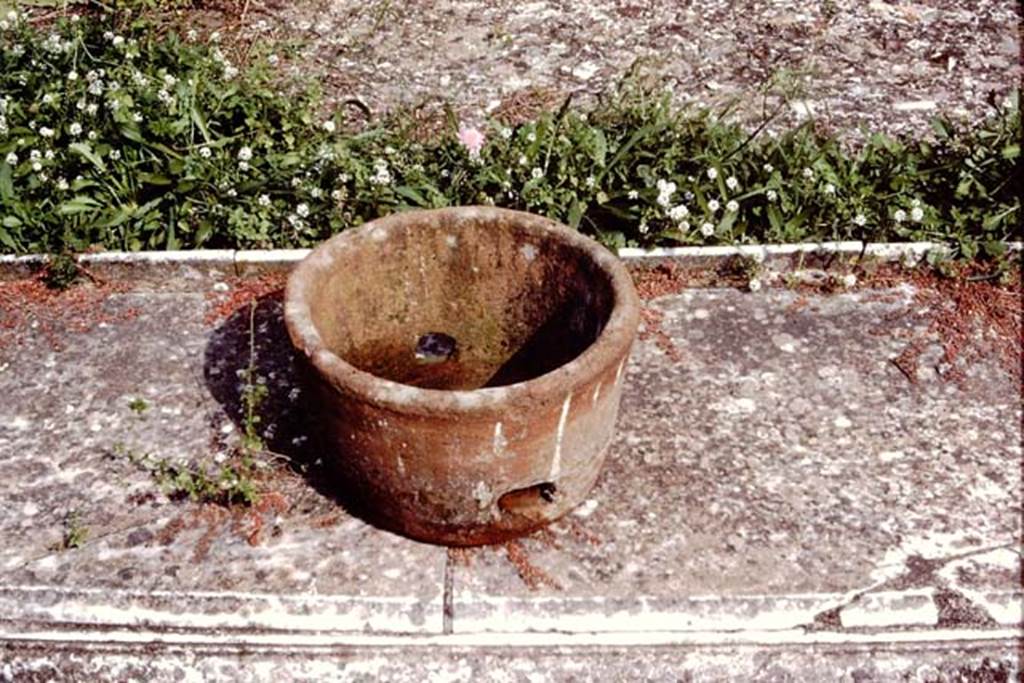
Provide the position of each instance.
(252, 262)
(913, 608)
(84, 608)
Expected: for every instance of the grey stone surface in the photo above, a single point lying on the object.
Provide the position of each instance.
(921, 663)
(784, 455)
(782, 477)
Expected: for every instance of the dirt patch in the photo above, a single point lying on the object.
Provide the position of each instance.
(532, 575)
(242, 292)
(28, 308)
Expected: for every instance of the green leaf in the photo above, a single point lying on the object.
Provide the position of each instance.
(575, 214)
(85, 150)
(412, 195)
(6, 238)
(6, 184)
(80, 204)
(1011, 151)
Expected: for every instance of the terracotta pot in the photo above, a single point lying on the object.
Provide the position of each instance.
(466, 365)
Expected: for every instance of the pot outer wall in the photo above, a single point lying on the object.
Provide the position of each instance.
(463, 467)
(440, 477)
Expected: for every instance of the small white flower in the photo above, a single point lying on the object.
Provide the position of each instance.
(108, 36)
(48, 98)
(915, 202)
(115, 154)
(830, 188)
(37, 166)
(523, 161)
(62, 184)
(506, 133)
(337, 195)
(590, 181)
(273, 60)
(808, 173)
(205, 152)
(916, 214)
(35, 155)
(329, 126)
(684, 226)
(4, 25)
(899, 216)
(644, 229)
(848, 280)
(72, 76)
(245, 154)
(633, 194)
(315, 193)
(678, 213)
(230, 72)
(536, 173)
(713, 205)
(264, 200)
(531, 137)
(302, 210)
(49, 155)
(46, 132)
(232, 192)
(170, 80)
(733, 206)
(11, 159)
(192, 35)
(118, 41)
(92, 108)
(215, 37)
(772, 196)
(707, 229)
(712, 173)
(768, 168)
(732, 183)
(137, 117)
(296, 181)
(243, 165)
(92, 135)
(754, 285)
(860, 220)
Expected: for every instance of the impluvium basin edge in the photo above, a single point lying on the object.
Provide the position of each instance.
(506, 430)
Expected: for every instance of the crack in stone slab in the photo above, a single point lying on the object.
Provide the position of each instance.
(955, 608)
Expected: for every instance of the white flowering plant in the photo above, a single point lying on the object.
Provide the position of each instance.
(124, 137)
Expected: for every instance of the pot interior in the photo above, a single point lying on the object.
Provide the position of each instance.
(460, 304)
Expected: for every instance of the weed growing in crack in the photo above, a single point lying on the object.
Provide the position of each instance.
(75, 533)
(62, 271)
(138, 406)
(230, 483)
(254, 392)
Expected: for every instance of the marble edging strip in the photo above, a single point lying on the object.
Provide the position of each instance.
(33, 609)
(247, 262)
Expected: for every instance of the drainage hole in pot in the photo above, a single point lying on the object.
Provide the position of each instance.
(435, 347)
(530, 501)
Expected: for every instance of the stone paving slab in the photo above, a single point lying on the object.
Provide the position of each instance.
(774, 473)
(782, 471)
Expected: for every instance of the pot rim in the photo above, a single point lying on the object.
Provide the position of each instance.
(611, 346)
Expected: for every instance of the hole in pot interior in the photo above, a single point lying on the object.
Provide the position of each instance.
(530, 501)
(513, 304)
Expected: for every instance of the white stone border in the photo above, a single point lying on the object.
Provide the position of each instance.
(242, 261)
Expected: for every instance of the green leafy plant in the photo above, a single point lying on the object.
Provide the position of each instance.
(226, 484)
(75, 533)
(132, 138)
(62, 271)
(138, 406)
